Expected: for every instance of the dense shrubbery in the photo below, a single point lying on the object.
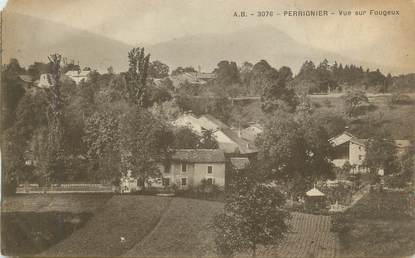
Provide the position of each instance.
(30, 233)
(400, 99)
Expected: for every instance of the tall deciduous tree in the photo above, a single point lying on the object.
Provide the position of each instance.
(12, 91)
(227, 73)
(325, 77)
(275, 91)
(137, 75)
(381, 153)
(146, 141)
(295, 151)
(158, 70)
(102, 138)
(353, 100)
(253, 217)
(56, 160)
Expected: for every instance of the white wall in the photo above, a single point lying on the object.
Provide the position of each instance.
(195, 173)
(357, 154)
(218, 173)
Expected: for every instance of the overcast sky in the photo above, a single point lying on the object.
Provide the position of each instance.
(373, 38)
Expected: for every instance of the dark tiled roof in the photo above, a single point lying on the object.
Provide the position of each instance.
(199, 155)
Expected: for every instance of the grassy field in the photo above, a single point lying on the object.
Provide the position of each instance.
(155, 226)
(382, 205)
(129, 216)
(182, 231)
(397, 119)
(379, 238)
(380, 226)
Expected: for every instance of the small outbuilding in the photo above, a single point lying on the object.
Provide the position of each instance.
(315, 200)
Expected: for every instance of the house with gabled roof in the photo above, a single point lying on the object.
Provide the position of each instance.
(187, 168)
(351, 149)
(228, 139)
(78, 76)
(348, 148)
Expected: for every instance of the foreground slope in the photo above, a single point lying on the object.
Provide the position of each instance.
(166, 226)
(129, 217)
(381, 224)
(184, 230)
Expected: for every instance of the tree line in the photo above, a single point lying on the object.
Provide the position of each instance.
(247, 79)
(93, 132)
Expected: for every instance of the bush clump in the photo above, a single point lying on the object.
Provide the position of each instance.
(400, 99)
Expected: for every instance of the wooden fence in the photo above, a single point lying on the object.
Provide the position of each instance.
(66, 188)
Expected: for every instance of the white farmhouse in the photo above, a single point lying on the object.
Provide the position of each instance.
(187, 168)
(78, 76)
(45, 81)
(348, 148)
(190, 166)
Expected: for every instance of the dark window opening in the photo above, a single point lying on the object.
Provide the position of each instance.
(166, 181)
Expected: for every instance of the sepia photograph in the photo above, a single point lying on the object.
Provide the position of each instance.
(220, 128)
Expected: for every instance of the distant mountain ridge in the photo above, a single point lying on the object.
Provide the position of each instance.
(251, 44)
(32, 39)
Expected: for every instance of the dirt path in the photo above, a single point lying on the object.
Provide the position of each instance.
(358, 195)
